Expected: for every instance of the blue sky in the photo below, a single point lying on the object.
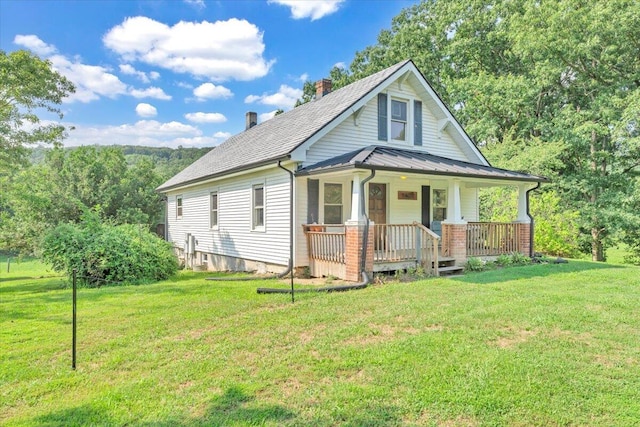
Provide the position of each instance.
(185, 72)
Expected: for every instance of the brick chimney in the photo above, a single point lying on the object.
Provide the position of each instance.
(251, 120)
(323, 87)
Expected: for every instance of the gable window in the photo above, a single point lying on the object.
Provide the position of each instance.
(258, 207)
(178, 207)
(398, 120)
(213, 209)
(333, 203)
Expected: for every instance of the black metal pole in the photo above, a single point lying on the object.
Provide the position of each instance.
(73, 343)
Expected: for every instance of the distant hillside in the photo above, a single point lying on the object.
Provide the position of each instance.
(168, 161)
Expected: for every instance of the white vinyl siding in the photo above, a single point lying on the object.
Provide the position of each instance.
(234, 236)
(348, 137)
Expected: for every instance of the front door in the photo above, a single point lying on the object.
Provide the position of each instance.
(378, 211)
(426, 206)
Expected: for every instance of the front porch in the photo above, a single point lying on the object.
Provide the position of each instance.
(336, 250)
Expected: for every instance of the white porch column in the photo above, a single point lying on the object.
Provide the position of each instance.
(356, 202)
(522, 204)
(454, 211)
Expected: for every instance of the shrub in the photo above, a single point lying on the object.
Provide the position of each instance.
(519, 259)
(503, 260)
(474, 264)
(108, 254)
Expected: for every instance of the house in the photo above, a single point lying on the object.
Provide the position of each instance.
(377, 175)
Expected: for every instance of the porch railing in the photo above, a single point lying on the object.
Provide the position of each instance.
(406, 242)
(326, 243)
(492, 238)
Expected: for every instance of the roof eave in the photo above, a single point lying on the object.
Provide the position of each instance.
(244, 168)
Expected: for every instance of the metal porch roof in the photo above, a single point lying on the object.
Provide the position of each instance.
(411, 161)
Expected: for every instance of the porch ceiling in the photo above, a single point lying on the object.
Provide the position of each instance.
(410, 161)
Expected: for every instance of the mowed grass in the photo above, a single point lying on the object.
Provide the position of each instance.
(537, 345)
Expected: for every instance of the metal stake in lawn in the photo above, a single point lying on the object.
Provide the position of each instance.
(73, 342)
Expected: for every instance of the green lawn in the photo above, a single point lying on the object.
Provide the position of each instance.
(536, 345)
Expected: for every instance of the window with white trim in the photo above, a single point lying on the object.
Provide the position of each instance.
(439, 205)
(332, 203)
(213, 209)
(398, 120)
(178, 207)
(257, 214)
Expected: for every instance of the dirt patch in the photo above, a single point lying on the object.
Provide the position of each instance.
(513, 337)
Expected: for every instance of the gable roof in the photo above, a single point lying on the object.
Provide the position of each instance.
(409, 161)
(276, 138)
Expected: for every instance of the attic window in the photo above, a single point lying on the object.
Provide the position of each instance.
(398, 120)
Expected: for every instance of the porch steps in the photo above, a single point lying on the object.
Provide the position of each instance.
(446, 267)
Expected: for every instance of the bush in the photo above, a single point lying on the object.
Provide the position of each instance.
(474, 264)
(108, 254)
(518, 258)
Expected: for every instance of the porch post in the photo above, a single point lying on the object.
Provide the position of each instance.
(522, 205)
(523, 222)
(454, 228)
(356, 209)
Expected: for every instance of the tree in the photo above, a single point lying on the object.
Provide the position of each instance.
(560, 74)
(28, 84)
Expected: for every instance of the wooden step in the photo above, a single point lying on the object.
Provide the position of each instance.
(449, 270)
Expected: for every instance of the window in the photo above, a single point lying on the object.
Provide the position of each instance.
(205, 259)
(398, 120)
(439, 205)
(213, 210)
(178, 207)
(333, 203)
(258, 207)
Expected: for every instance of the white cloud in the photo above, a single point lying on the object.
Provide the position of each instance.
(146, 110)
(303, 77)
(223, 135)
(220, 50)
(150, 92)
(286, 97)
(149, 133)
(205, 117)
(267, 116)
(34, 44)
(92, 81)
(144, 77)
(314, 9)
(196, 3)
(341, 65)
(211, 91)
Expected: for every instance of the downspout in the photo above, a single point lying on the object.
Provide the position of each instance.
(365, 241)
(290, 225)
(531, 219)
(290, 264)
(365, 237)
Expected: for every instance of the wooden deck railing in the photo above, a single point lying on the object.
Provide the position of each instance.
(492, 238)
(406, 242)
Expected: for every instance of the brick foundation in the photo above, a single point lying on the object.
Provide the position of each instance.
(353, 250)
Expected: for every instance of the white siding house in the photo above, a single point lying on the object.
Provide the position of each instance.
(230, 210)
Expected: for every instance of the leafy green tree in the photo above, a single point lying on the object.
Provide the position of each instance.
(28, 84)
(308, 93)
(556, 78)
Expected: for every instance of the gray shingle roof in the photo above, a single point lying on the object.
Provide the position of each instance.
(409, 161)
(276, 138)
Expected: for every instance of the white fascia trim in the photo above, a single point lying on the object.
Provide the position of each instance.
(300, 153)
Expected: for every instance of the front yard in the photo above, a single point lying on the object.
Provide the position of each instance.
(535, 345)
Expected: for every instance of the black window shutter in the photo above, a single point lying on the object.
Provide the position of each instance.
(313, 198)
(382, 116)
(417, 127)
